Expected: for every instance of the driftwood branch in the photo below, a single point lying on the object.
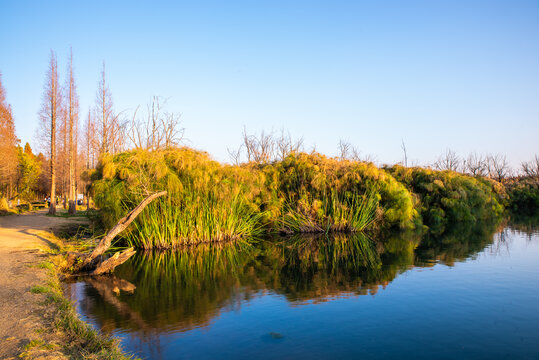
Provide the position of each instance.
(89, 262)
(115, 260)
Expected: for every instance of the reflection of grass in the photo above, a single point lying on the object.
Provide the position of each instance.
(458, 243)
(528, 224)
(187, 287)
(332, 252)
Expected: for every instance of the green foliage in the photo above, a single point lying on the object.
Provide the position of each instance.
(4, 204)
(337, 213)
(209, 201)
(325, 189)
(28, 173)
(38, 289)
(523, 195)
(447, 197)
(303, 193)
(206, 201)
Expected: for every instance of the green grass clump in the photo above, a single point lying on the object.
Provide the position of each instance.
(332, 214)
(304, 193)
(197, 217)
(208, 201)
(523, 195)
(447, 197)
(38, 289)
(333, 188)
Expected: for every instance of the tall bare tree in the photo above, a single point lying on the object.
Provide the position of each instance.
(345, 149)
(110, 125)
(286, 145)
(49, 113)
(72, 124)
(91, 152)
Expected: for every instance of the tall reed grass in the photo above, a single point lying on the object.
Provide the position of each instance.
(195, 217)
(333, 213)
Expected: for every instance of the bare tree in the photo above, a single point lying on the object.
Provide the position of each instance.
(498, 167)
(531, 168)
(111, 126)
(475, 165)
(91, 150)
(347, 151)
(448, 161)
(403, 147)
(157, 128)
(259, 149)
(50, 110)
(235, 155)
(344, 149)
(265, 148)
(72, 120)
(286, 145)
(173, 133)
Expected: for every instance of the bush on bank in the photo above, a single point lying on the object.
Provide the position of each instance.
(447, 197)
(209, 201)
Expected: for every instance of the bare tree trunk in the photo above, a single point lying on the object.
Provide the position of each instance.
(89, 262)
(71, 152)
(54, 105)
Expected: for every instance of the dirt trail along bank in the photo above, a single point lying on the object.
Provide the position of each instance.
(22, 248)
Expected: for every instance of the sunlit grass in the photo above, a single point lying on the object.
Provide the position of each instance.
(197, 217)
(334, 213)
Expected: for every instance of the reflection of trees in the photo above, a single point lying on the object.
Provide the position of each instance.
(457, 244)
(319, 267)
(526, 224)
(188, 288)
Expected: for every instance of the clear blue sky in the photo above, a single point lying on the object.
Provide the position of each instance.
(438, 74)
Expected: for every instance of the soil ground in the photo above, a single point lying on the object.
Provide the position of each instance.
(24, 245)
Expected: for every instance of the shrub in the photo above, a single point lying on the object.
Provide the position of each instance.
(447, 197)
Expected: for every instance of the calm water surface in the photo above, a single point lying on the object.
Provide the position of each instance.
(472, 294)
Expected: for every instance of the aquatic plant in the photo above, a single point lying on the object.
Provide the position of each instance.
(447, 197)
(333, 213)
(209, 201)
(523, 193)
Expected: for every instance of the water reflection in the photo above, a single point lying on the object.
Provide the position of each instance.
(157, 293)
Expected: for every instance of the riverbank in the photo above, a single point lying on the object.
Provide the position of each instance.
(36, 321)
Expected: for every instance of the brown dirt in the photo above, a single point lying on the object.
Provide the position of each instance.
(23, 245)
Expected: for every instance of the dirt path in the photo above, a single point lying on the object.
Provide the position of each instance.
(22, 246)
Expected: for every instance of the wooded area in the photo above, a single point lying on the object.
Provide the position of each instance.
(70, 148)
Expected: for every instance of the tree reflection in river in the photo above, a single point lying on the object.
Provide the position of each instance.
(182, 290)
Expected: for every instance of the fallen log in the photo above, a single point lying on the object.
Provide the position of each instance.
(115, 260)
(90, 264)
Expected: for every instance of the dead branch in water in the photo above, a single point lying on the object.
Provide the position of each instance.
(88, 263)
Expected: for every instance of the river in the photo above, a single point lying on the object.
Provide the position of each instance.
(470, 294)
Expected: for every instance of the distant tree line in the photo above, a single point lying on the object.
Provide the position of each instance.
(494, 166)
